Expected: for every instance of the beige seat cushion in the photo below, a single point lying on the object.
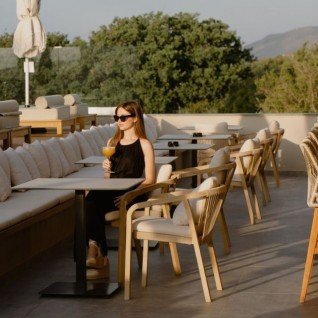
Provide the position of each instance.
(56, 167)
(5, 186)
(29, 162)
(18, 170)
(86, 150)
(197, 205)
(32, 113)
(151, 224)
(22, 205)
(4, 164)
(91, 141)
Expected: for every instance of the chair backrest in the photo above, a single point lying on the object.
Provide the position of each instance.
(277, 136)
(310, 154)
(267, 148)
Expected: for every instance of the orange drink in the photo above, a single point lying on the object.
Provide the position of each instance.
(108, 151)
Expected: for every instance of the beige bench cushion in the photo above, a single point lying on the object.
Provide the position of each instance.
(8, 106)
(11, 121)
(4, 164)
(22, 205)
(79, 110)
(43, 102)
(91, 141)
(5, 186)
(72, 99)
(86, 150)
(62, 112)
(29, 162)
(56, 168)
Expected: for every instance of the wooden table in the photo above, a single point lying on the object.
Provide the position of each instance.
(22, 131)
(195, 139)
(81, 287)
(5, 137)
(82, 120)
(190, 147)
(51, 123)
(96, 160)
(230, 128)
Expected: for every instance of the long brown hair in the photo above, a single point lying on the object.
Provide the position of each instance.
(133, 108)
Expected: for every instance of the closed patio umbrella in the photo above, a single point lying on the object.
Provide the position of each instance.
(29, 38)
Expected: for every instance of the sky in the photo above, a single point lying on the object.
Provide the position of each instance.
(251, 19)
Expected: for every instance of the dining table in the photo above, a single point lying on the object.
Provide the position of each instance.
(81, 287)
(233, 128)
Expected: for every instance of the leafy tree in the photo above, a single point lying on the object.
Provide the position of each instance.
(57, 39)
(6, 40)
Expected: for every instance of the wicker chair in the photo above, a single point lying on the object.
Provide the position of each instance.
(310, 153)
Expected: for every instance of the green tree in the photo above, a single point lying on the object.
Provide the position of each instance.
(6, 40)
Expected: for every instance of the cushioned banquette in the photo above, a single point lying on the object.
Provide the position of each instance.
(34, 220)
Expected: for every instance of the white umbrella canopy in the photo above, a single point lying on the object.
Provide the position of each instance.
(29, 38)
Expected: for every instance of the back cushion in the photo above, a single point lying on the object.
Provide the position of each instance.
(103, 133)
(29, 162)
(54, 161)
(4, 164)
(197, 205)
(55, 145)
(39, 156)
(71, 99)
(274, 126)
(263, 134)
(49, 101)
(91, 141)
(221, 157)
(75, 145)
(5, 186)
(98, 139)
(248, 145)
(18, 170)
(69, 154)
(86, 150)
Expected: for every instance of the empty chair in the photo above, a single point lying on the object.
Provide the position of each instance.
(310, 153)
(192, 224)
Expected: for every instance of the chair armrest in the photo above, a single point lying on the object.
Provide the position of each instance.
(190, 172)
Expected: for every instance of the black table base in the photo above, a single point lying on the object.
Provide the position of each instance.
(92, 289)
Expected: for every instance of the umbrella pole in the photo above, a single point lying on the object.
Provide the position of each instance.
(27, 98)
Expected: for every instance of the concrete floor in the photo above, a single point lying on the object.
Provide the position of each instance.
(261, 276)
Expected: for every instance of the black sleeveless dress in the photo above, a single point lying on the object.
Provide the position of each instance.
(127, 162)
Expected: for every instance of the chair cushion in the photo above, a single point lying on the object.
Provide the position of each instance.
(22, 205)
(69, 154)
(29, 162)
(274, 126)
(71, 99)
(39, 156)
(248, 145)
(8, 106)
(197, 205)
(33, 113)
(54, 143)
(221, 157)
(263, 134)
(91, 141)
(152, 224)
(4, 164)
(56, 167)
(18, 170)
(5, 186)
(86, 150)
(98, 139)
(44, 102)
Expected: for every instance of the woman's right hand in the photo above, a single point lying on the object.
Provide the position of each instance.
(107, 165)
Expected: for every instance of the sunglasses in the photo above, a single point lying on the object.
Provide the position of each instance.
(197, 134)
(123, 118)
(173, 144)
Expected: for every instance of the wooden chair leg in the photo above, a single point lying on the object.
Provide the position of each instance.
(127, 284)
(225, 232)
(144, 276)
(262, 188)
(138, 250)
(249, 204)
(215, 267)
(175, 258)
(275, 169)
(257, 208)
(267, 194)
(162, 248)
(312, 250)
(204, 280)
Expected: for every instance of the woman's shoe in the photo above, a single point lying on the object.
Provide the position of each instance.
(98, 273)
(95, 258)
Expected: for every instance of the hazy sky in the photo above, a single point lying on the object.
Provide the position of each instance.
(251, 19)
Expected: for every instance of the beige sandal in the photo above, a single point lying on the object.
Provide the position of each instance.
(98, 261)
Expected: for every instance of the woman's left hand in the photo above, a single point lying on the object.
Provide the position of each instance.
(117, 201)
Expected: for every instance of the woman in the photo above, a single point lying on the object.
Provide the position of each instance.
(133, 158)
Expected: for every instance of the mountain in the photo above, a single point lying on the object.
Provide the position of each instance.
(284, 43)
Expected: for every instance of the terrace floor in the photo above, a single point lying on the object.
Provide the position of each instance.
(261, 276)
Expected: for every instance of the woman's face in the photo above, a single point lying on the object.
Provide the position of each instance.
(127, 122)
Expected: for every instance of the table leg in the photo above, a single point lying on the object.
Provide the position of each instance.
(80, 288)
(194, 156)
